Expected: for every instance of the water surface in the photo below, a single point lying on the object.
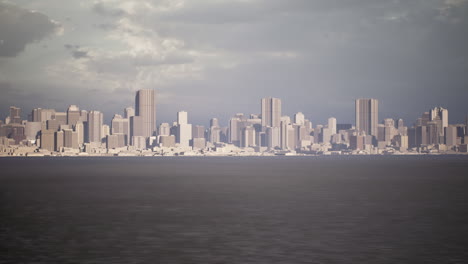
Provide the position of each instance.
(371, 209)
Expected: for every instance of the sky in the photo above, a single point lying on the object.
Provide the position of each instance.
(216, 58)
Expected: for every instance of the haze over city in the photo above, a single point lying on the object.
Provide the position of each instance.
(218, 58)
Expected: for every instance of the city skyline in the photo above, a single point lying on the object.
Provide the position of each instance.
(224, 116)
(268, 131)
(270, 106)
(221, 56)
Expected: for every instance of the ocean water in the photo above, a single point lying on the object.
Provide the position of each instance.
(366, 209)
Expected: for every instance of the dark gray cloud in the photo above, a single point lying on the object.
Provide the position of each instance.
(71, 47)
(78, 54)
(76, 51)
(19, 27)
(103, 9)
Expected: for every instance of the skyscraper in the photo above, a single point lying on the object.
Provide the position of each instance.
(129, 111)
(95, 119)
(248, 137)
(184, 130)
(466, 126)
(136, 128)
(145, 107)
(41, 115)
(79, 129)
(182, 117)
(367, 116)
(234, 137)
(47, 139)
(70, 139)
(198, 131)
(32, 129)
(400, 123)
(439, 113)
(73, 115)
(15, 115)
(214, 122)
(120, 125)
(271, 112)
(299, 118)
(332, 125)
(273, 137)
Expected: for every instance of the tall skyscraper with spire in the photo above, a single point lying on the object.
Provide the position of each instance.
(367, 116)
(145, 107)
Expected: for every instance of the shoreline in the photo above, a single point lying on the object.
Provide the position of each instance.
(234, 156)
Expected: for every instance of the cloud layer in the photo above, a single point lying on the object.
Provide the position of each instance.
(217, 58)
(20, 27)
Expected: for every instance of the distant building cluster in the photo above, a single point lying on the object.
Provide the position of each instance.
(76, 132)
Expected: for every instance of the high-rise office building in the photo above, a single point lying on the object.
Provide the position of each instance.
(73, 115)
(116, 140)
(59, 138)
(356, 142)
(271, 112)
(380, 132)
(198, 143)
(167, 141)
(402, 130)
(215, 135)
(164, 129)
(426, 117)
(248, 137)
(326, 135)
(129, 112)
(214, 122)
(105, 131)
(32, 129)
(41, 115)
(439, 113)
(70, 139)
(61, 118)
(48, 139)
(52, 124)
(95, 119)
(299, 118)
(184, 130)
(79, 129)
(434, 132)
(136, 126)
(84, 116)
(120, 125)
(400, 123)
(198, 131)
(284, 123)
(451, 135)
(273, 137)
(367, 116)
(182, 117)
(145, 107)
(15, 115)
(234, 128)
(332, 125)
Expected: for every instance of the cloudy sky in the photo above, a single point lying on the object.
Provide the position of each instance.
(215, 58)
